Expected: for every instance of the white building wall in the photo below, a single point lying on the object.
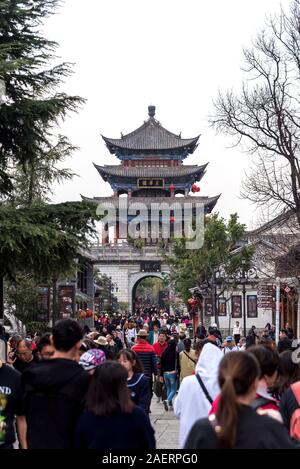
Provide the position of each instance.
(263, 316)
(126, 276)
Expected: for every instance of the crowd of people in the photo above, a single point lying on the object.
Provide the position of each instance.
(93, 389)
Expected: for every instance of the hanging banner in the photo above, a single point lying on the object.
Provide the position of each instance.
(252, 306)
(208, 307)
(222, 307)
(43, 304)
(236, 306)
(66, 301)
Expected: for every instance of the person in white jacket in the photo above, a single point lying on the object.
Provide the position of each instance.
(191, 403)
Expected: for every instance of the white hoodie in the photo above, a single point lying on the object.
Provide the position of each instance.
(191, 403)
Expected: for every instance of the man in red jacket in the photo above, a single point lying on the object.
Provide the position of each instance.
(146, 353)
(159, 348)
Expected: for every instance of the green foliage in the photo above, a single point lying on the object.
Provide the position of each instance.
(108, 308)
(22, 296)
(123, 305)
(31, 109)
(35, 326)
(139, 243)
(150, 287)
(190, 268)
(44, 240)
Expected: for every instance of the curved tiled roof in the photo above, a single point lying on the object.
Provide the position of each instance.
(150, 171)
(209, 202)
(151, 136)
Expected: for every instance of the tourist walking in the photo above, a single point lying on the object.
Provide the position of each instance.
(137, 382)
(25, 356)
(11, 408)
(230, 345)
(169, 372)
(91, 359)
(159, 347)
(252, 337)
(54, 390)
(284, 342)
(147, 355)
(111, 420)
(192, 401)
(236, 424)
(187, 360)
(237, 332)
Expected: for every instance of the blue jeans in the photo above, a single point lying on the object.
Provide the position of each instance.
(171, 384)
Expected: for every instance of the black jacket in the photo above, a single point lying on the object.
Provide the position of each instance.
(250, 339)
(288, 405)
(284, 344)
(201, 332)
(139, 388)
(254, 432)
(169, 361)
(54, 391)
(119, 431)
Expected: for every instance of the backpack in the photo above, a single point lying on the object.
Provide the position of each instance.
(295, 419)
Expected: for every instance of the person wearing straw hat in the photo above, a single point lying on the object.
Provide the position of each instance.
(146, 354)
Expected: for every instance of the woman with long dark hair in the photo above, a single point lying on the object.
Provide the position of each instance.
(111, 420)
(137, 382)
(169, 372)
(236, 424)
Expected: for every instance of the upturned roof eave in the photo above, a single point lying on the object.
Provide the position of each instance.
(109, 171)
(115, 146)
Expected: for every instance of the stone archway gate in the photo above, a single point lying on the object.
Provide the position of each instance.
(127, 265)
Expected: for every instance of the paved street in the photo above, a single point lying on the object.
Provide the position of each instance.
(166, 426)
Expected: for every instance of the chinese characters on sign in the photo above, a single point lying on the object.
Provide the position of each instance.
(265, 296)
(66, 301)
(252, 306)
(222, 309)
(236, 306)
(43, 304)
(208, 306)
(150, 266)
(150, 183)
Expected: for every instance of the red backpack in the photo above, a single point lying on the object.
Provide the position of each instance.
(295, 419)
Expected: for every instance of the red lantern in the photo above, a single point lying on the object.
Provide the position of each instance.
(89, 313)
(191, 301)
(172, 219)
(195, 188)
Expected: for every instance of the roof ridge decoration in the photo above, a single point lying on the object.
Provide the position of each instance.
(151, 135)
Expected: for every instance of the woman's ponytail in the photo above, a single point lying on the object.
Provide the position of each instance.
(238, 372)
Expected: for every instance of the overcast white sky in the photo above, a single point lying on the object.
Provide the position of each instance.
(171, 53)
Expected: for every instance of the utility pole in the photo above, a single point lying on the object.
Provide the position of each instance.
(244, 304)
(214, 299)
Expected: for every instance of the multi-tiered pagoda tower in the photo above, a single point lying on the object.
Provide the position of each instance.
(152, 170)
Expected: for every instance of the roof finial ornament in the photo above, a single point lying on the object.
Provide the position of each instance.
(151, 111)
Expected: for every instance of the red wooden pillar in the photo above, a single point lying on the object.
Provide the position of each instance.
(117, 232)
(105, 234)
